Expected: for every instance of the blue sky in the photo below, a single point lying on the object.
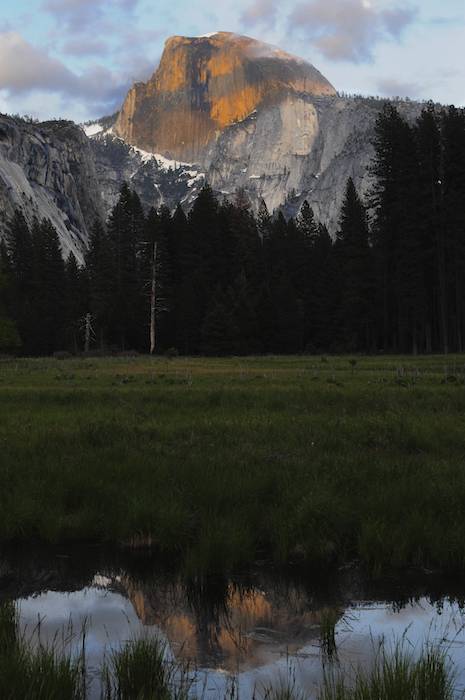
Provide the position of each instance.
(77, 58)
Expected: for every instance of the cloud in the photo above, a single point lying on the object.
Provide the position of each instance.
(431, 81)
(391, 87)
(260, 12)
(78, 15)
(348, 30)
(25, 69)
(85, 47)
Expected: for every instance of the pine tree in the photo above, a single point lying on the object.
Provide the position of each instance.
(354, 265)
(245, 256)
(100, 275)
(306, 270)
(48, 291)
(218, 331)
(204, 280)
(279, 251)
(187, 263)
(288, 336)
(431, 229)
(76, 302)
(244, 317)
(395, 200)
(9, 336)
(126, 226)
(159, 229)
(19, 245)
(265, 313)
(453, 220)
(324, 297)
(264, 224)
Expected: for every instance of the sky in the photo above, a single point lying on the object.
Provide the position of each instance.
(77, 58)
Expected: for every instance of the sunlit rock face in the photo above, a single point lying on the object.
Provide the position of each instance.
(248, 116)
(206, 84)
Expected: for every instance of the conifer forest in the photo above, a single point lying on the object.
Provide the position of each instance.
(221, 280)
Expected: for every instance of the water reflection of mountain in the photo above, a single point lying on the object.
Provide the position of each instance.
(226, 625)
(221, 623)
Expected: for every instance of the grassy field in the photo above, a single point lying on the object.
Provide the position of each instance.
(220, 462)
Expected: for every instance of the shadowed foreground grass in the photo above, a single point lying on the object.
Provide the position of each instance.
(396, 676)
(27, 674)
(140, 669)
(219, 462)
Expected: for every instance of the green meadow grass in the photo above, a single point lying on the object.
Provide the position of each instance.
(219, 462)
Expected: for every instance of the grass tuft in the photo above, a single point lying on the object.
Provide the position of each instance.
(140, 671)
(396, 676)
(46, 673)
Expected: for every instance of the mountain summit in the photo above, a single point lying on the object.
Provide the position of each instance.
(224, 109)
(204, 85)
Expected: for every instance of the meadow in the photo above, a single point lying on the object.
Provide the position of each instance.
(218, 463)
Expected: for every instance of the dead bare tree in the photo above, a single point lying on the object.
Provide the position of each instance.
(153, 301)
(86, 326)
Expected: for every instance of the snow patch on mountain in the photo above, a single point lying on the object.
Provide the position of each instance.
(158, 180)
(163, 163)
(92, 129)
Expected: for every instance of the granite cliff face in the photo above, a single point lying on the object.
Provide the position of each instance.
(204, 85)
(247, 115)
(48, 171)
(222, 109)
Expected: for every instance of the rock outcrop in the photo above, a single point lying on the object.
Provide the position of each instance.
(250, 116)
(204, 85)
(48, 171)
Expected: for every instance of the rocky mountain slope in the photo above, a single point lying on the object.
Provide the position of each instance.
(48, 170)
(222, 109)
(248, 115)
(157, 180)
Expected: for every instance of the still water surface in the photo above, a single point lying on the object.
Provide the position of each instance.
(248, 631)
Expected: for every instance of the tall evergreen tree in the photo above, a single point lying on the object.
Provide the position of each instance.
(431, 229)
(355, 269)
(453, 220)
(306, 270)
(9, 336)
(19, 244)
(218, 333)
(395, 233)
(204, 280)
(324, 296)
(100, 273)
(126, 227)
(48, 291)
(76, 302)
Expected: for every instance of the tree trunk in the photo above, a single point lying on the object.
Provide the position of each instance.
(153, 299)
(441, 269)
(87, 333)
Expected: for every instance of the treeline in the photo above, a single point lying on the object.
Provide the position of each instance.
(222, 280)
(418, 231)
